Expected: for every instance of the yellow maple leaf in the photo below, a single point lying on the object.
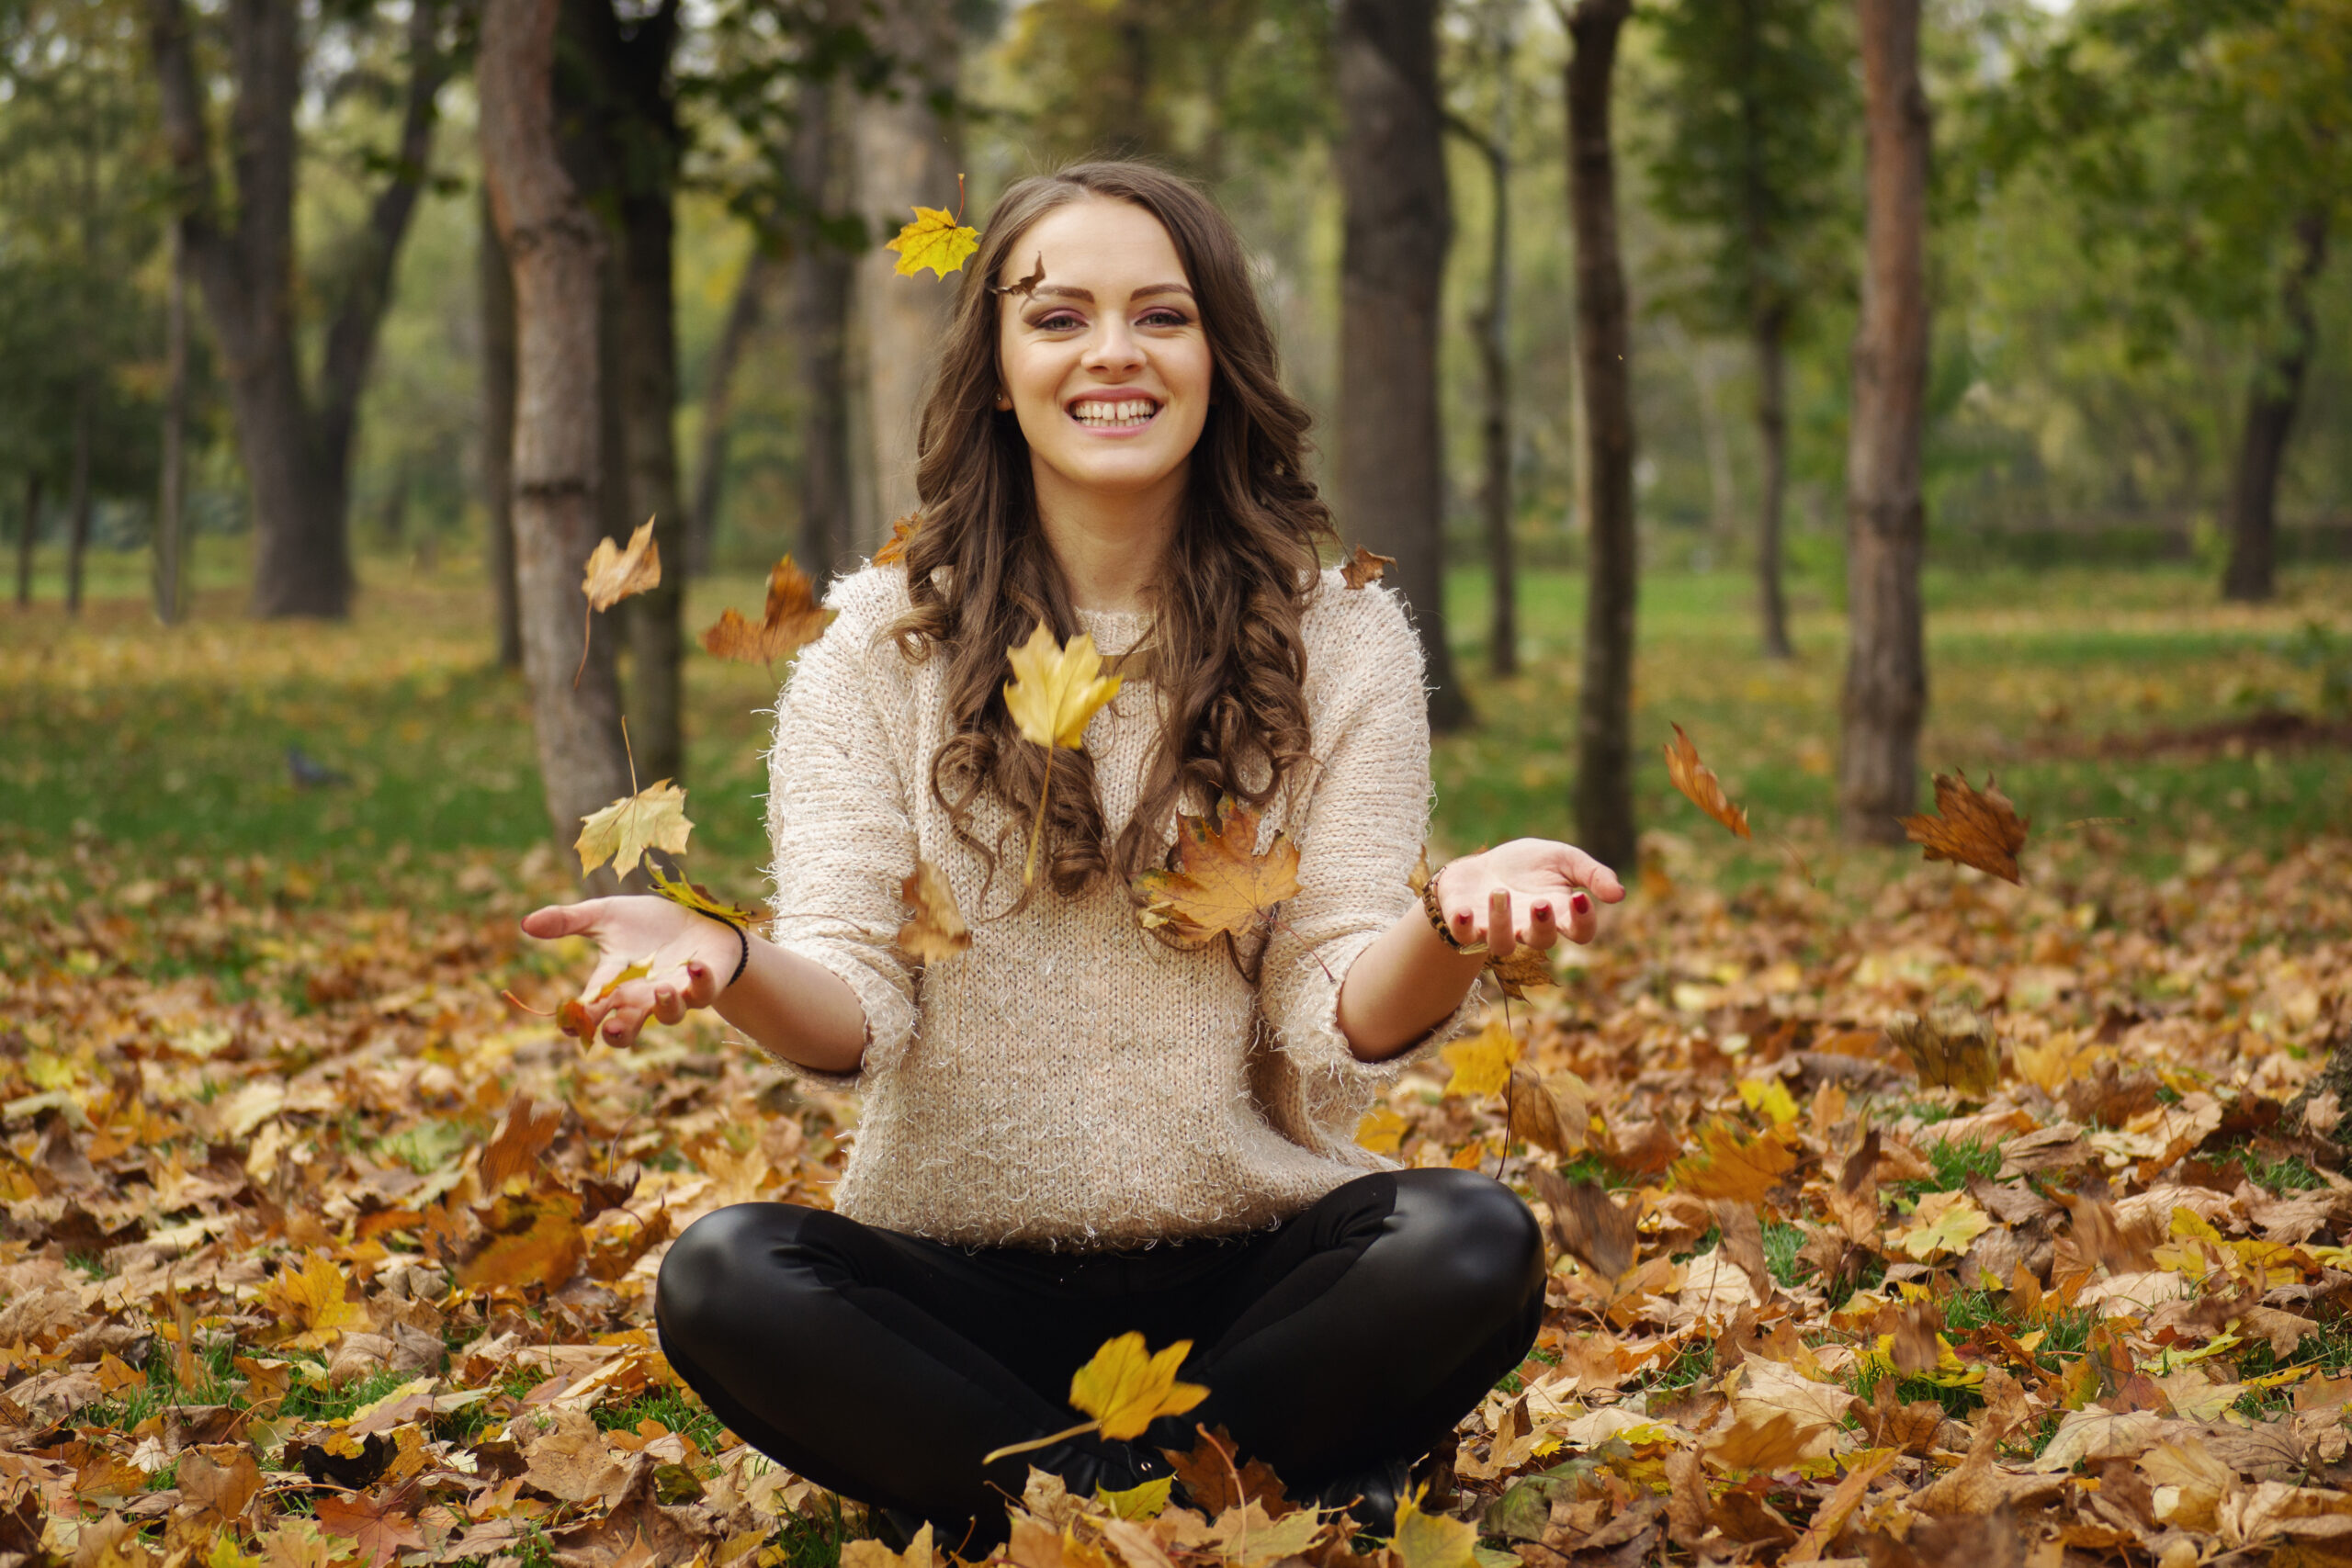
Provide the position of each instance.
(1431, 1541)
(1482, 1064)
(1381, 1130)
(654, 817)
(1220, 884)
(1125, 1387)
(1945, 1223)
(1729, 1163)
(1055, 690)
(934, 239)
(702, 900)
(311, 1299)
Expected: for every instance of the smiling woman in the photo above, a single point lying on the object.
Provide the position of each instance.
(1079, 1127)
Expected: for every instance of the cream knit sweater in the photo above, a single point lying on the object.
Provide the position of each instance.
(1069, 1082)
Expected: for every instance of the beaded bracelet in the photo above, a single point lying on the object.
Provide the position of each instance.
(1437, 916)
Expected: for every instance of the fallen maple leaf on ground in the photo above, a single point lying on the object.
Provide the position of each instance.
(1699, 784)
(1975, 827)
(1220, 885)
(1482, 1064)
(791, 618)
(936, 930)
(654, 817)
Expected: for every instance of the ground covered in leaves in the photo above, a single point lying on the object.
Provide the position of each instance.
(317, 1252)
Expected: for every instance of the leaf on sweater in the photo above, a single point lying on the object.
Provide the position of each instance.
(654, 817)
(937, 240)
(1364, 567)
(1972, 827)
(1220, 885)
(1055, 690)
(894, 548)
(936, 930)
(1699, 784)
(1481, 1064)
(792, 618)
(1126, 1387)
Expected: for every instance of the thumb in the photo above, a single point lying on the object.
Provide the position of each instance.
(562, 919)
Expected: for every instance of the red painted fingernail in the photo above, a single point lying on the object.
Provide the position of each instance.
(1579, 903)
(694, 967)
(1543, 911)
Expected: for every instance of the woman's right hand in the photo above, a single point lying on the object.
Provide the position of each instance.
(689, 959)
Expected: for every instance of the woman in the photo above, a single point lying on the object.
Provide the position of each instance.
(1074, 1129)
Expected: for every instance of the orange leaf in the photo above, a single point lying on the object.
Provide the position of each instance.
(547, 1252)
(894, 548)
(1729, 1163)
(1220, 884)
(1698, 782)
(791, 619)
(310, 1299)
(1975, 827)
(522, 1135)
(1364, 567)
(937, 930)
(379, 1526)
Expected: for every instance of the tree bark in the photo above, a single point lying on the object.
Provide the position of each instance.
(1398, 225)
(907, 152)
(1769, 328)
(2270, 407)
(77, 503)
(743, 315)
(497, 282)
(1886, 672)
(28, 536)
(557, 250)
(822, 274)
(296, 458)
(1492, 326)
(171, 501)
(1603, 796)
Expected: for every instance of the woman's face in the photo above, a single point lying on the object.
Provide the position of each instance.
(1105, 361)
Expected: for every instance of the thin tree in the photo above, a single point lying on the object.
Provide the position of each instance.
(1397, 226)
(1886, 670)
(1604, 793)
(295, 437)
(171, 500)
(497, 300)
(1757, 103)
(823, 272)
(745, 311)
(555, 248)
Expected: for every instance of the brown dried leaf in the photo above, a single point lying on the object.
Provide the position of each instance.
(791, 619)
(1700, 786)
(1982, 829)
(936, 930)
(1364, 567)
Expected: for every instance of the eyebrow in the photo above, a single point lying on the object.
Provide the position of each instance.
(1063, 291)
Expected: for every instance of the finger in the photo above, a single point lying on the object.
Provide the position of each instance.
(562, 919)
(1584, 916)
(1542, 925)
(1499, 930)
(621, 1025)
(702, 985)
(668, 1006)
(1586, 872)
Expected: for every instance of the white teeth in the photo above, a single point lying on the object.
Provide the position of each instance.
(1108, 417)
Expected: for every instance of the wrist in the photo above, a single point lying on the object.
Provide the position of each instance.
(1432, 906)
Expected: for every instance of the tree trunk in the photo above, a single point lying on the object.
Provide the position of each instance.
(1494, 353)
(171, 501)
(1604, 786)
(77, 504)
(822, 274)
(556, 247)
(28, 536)
(2270, 408)
(1399, 225)
(296, 461)
(498, 434)
(1770, 330)
(1886, 668)
(906, 153)
(718, 402)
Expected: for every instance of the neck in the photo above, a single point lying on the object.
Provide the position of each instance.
(1111, 548)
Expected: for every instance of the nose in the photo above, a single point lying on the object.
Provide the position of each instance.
(1113, 349)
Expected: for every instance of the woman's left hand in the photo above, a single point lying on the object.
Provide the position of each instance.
(1529, 892)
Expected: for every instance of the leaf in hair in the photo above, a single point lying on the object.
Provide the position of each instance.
(1365, 566)
(894, 548)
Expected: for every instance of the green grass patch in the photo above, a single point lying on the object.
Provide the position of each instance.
(677, 1410)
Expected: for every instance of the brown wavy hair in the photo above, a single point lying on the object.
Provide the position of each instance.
(1224, 652)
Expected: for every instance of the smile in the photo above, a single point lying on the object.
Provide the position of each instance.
(1128, 412)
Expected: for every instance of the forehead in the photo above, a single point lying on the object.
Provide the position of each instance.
(1103, 246)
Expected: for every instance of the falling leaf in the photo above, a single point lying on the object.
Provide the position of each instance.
(1945, 1224)
(894, 548)
(523, 1135)
(654, 817)
(702, 900)
(636, 971)
(613, 573)
(1699, 784)
(1365, 566)
(937, 240)
(1982, 829)
(1589, 1225)
(1729, 1164)
(936, 932)
(1220, 884)
(1951, 1048)
(1028, 286)
(1055, 690)
(791, 619)
(1125, 1387)
(310, 1300)
(1481, 1064)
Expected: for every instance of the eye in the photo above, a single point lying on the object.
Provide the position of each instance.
(1058, 322)
(1165, 316)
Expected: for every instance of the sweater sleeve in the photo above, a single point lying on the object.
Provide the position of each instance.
(838, 824)
(1365, 820)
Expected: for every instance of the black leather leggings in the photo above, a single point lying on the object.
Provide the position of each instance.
(883, 1366)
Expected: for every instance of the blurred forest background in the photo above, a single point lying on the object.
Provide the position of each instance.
(257, 334)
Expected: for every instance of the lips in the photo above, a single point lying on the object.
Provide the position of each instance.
(1125, 411)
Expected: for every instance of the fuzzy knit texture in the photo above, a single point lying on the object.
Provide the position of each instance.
(1070, 1082)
